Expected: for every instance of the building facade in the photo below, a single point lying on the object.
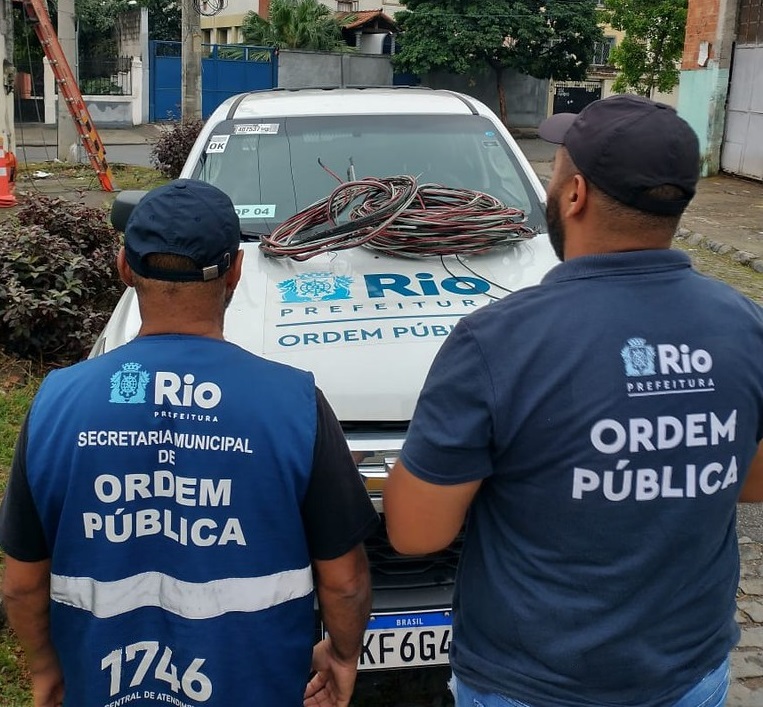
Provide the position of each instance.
(225, 27)
(722, 84)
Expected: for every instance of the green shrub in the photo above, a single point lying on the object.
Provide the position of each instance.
(173, 147)
(58, 279)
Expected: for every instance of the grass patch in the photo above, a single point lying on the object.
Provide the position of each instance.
(722, 267)
(18, 383)
(131, 177)
(14, 677)
(126, 176)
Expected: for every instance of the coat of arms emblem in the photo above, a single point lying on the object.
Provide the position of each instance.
(128, 385)
(315, 287)
(638, 357)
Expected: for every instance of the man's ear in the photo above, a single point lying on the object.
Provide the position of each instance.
(124, 270)
(576, 196)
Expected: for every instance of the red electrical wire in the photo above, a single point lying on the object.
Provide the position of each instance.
(397, 216)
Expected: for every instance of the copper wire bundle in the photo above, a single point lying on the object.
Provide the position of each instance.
(397, 216)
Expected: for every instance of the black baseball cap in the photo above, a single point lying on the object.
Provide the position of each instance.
(185, 217)
(627, 145)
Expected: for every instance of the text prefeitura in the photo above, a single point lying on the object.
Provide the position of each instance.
(621, 481)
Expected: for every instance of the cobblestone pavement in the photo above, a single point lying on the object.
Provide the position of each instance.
(747, 659)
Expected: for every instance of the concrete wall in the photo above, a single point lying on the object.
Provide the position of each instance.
(705, 74)
(106, 111)
(670, 99)
(526, 97)
(132, 40)
(300, 68)
(6, 55)
(128, 30)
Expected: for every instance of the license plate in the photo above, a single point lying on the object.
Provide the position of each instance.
(407, 640)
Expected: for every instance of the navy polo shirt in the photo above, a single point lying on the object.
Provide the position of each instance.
(611, 414)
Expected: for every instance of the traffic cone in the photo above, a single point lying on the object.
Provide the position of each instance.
(7, 174)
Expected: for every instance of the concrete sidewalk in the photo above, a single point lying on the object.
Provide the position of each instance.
(41, 135)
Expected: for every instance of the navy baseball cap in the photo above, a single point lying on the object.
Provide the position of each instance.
(627, 145)
(185, 217)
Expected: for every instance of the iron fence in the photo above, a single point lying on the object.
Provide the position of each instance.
(106, 77)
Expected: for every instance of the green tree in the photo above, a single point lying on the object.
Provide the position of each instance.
(164, 20)
(542, 38)
(648, 56)
(294, 24)
(98, 18)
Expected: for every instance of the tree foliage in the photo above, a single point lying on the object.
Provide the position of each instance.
(100, 17)
(648, 56)
(294, 24)
(542, 38)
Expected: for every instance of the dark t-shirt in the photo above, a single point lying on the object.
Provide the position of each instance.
(337, 512)
(611, 414)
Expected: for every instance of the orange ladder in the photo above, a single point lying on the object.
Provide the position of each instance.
(37, 14)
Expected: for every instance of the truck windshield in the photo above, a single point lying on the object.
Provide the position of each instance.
(272, 168)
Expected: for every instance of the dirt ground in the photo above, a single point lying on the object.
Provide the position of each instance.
(728, 210)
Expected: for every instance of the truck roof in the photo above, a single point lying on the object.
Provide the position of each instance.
(348, 101)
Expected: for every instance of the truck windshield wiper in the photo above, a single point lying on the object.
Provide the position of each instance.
(251, 236)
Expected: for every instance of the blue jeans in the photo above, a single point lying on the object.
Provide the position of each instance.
(711, 691)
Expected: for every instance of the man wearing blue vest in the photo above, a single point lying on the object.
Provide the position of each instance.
(599, 429)
(172, 503)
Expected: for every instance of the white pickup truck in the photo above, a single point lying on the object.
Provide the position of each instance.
(367, 325)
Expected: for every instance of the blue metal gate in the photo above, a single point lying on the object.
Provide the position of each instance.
(226, 69)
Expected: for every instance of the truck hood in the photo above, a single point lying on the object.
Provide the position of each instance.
(367, 325)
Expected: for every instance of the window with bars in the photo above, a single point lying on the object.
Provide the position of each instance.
(750, 23)
(601, 51)
(347, 5)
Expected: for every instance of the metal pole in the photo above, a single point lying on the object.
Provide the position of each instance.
(68, 138)
(191, 61)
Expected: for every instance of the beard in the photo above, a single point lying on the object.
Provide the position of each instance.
(556, 233)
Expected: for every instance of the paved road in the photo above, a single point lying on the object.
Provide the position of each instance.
(138, 155)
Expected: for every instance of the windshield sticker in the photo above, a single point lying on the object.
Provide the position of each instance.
(218, 143)
(256, 210)
(256, 129)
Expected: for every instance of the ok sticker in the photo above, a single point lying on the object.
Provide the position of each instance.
(256, 210)
(217, 143)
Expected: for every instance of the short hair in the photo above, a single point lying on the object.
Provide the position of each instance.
(170, 261)
(622, 217)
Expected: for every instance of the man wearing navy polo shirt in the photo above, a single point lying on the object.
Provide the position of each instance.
(599, 429)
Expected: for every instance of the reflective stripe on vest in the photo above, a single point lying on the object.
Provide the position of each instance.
(191, 600)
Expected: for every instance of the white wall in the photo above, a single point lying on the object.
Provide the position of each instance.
(389, 7)
(6, 55)
(106, 111)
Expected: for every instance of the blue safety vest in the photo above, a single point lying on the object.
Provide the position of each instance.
(169, 476)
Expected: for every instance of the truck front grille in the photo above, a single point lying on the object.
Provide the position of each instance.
(391, 570)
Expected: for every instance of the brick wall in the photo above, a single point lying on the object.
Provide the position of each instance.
(701, 26)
